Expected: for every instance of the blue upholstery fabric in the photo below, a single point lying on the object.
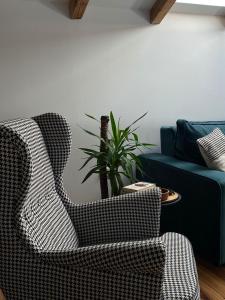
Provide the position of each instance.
(187, 134)
(200, 215)
(168, 140)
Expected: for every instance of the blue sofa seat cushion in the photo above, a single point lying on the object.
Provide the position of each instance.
(186, 147)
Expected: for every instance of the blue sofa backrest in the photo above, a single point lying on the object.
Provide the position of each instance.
(168, 139)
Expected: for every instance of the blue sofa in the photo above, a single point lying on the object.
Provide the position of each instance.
(200, 215)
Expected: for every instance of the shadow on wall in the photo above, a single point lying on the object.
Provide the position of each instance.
(142, 8)
(59, 6)
(222, 20)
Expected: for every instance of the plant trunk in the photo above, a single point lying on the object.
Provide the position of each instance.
(103, 173)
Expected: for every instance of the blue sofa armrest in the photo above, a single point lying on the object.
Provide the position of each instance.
(202, 209)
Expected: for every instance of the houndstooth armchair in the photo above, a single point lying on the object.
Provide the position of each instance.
(51, 248)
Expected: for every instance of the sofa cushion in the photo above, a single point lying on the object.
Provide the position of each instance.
(212, 148)
(188, 132)
(168, 140)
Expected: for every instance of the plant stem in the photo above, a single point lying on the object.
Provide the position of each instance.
(120, 182)
(103, 173)
(113, 182)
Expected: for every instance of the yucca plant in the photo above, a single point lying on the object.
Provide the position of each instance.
(119, 156)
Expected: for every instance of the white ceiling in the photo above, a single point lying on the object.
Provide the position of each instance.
(147, 4)
(198, 9)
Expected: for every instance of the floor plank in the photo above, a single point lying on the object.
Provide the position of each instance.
(1, 295)
(208, 293)
(212, 281)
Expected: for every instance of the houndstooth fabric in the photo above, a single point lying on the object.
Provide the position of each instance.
(180, 268)
(213, 144)
(120, 218)
(40, 202)
(115, 251)
(57, 138)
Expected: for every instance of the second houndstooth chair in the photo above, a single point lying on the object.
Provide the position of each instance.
(54, 249)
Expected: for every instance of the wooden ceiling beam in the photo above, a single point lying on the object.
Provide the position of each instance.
(160, 10)
(77, 8)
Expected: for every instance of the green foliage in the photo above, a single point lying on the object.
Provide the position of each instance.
(119, 156)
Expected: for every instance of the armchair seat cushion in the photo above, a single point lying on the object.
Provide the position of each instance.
(180, 277)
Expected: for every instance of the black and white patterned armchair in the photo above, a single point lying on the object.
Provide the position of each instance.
(53, 249)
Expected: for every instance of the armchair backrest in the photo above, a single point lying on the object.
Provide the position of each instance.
(29, 201)
(57, 137)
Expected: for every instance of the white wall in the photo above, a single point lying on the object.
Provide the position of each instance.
(110, 60)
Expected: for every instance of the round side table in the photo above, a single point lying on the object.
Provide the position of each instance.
(169, 223)
(172, 202)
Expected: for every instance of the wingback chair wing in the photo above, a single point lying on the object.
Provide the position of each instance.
(51, 248)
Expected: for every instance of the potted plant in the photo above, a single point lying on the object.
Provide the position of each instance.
(116, 156)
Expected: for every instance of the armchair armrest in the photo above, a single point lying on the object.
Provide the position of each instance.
(136, 257)
(127, 217)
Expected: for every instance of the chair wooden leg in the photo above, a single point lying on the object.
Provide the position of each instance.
(2, 297)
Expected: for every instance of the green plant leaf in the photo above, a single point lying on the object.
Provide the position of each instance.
(140, 170)
(114, 128)
(120, 182)
(91, 133)
(91, 117)
(86, 162)
(135, 158)
(127, 167)
(91, 152)
(123, 137)
(138, 119)
(119, 157)
(135, 136)
(92, 171)
(147, 145)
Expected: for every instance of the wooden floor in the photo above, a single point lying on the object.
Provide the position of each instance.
(1, 295)
(211, 279)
